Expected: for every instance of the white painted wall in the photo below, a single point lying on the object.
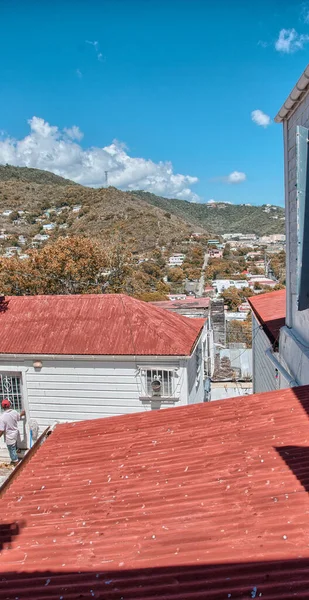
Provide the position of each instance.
(73, 390)
(294, 339)
(265, 377)
(299, 320)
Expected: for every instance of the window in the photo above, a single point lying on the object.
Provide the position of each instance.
(159, 382)
(10, 388)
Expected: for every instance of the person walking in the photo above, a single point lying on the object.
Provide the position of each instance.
(9, 427)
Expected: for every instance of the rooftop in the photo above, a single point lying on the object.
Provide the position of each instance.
(270, 310)
(97, 324)
(295, 97)
(187, 303)
(205, 502)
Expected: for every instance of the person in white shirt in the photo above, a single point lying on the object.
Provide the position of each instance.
(9, 427)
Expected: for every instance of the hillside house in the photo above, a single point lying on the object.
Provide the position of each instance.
(215, 253)
(188, 307)
(176, 260)
(224, 284)
(49, 226)
(287, 317)
(69, 358)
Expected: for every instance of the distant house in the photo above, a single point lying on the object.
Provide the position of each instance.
(7, 213)
(39, 237)
(262, 281)
(176, 260)
(49, 226)
(173, 297)
(76, 208)
(189, 307)
(69, 358)
(215, 253)
(225, 284)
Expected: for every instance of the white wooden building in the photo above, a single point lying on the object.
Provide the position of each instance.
(67, 358)
(285, 362)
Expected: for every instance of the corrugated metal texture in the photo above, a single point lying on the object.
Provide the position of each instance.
(107, 324)
(265, 378)
(202, 502)
(192, 303)
(270, 309)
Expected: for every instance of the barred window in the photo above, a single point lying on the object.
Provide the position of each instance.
(10, 388)
(159, 382)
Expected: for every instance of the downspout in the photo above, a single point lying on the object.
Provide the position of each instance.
(291, 381)
(288, 318)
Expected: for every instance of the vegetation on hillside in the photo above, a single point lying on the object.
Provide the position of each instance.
(104, 213)
(220, 218)
(77, 265)
(10, 173)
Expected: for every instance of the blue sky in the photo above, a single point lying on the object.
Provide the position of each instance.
(175, 82)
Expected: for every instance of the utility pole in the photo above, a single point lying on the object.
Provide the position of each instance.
(106, 178)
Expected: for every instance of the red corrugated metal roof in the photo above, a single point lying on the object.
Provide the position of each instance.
(201, 502)
(270, 310)
(194, 303)
(107, 324)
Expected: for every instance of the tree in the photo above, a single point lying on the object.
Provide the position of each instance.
(193, 274)
(232, 298)
(152, 297)
(71, 265)
(240, 331)
(227, 250)
(176, 275)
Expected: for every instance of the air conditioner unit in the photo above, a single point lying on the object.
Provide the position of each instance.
(156, 386)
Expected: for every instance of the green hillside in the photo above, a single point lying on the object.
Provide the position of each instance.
(222, 218)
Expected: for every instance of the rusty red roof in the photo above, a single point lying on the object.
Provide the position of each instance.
(107, 324)
(202, 502)
(194, 303)
(270, 310)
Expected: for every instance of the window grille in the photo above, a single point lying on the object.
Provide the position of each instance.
(10, 388)
(159, 383)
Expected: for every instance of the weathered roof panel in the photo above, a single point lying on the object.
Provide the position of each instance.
(201, 502)
(94, 324)
(270, 309)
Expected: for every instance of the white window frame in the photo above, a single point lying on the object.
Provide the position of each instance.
(17, 403)
(169, 390)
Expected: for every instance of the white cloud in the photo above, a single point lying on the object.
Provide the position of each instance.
(96, 46)
(305, 13)
(79, 73)
(74, 133)
(260, 118)
(48, 148)
(290, 41)
(235, 177)
(263, 44)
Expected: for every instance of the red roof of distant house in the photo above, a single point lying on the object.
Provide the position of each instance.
(98, 324)
(262, 281)
(193, 303)
(194, 503)
(270, 310)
